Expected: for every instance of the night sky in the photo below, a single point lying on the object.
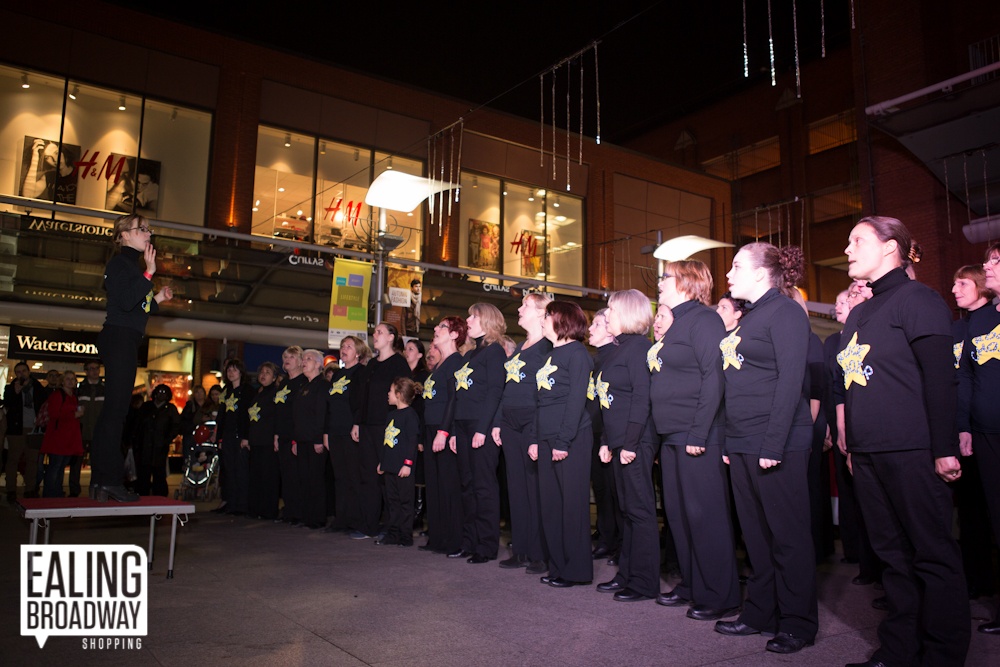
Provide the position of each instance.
(657, 60)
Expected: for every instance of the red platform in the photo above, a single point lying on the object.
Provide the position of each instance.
(43, 510)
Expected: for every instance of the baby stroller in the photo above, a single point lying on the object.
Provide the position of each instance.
(200, 480)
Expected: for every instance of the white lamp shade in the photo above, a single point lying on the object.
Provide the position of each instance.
(397, 191)
(683, 247)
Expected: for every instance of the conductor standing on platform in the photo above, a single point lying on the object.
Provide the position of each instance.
(130, 302)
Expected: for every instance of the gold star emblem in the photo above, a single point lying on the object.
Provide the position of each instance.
(852, 360)
(254, 413)
(513, 367)
(591, 392)
(730, 357)
(462, 377)
(987, 346)
(542, 376)
(147, 302)
(390, 434)
(282, 395)
(652, 357)
(429, 390)
(231, 403)
(339, 386)
(603, 397)
(957, 350)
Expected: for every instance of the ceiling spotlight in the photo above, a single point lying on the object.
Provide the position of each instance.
(288, 141)
(73, 93)
(556, 204)
(24, 81)
(504, 193)
(475, 181)
(531, 199)
(121, 103)
(281, 190)
(389, 165)
(322, 148)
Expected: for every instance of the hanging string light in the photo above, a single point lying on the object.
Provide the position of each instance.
(822, 29)
(451, 165)
(569, 82)
(770, 44)
(852, 14)
(541, 120)
(795, 36)
(461, 137)
(746, 56)
(554, 122)
(440, 183)
(581, 111)
(597, 83)
(432, 153)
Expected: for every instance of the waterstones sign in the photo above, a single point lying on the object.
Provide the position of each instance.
(47, 226)
(57, 344)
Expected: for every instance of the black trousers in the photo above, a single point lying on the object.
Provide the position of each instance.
(477, 469)
(265, 481)
(235, 470)
(821, 510)
(291, 491)
(610, 524)
(986, 449)
(151, 475)
(369, 486)
(312, 482)
(344, 461)
(564, 496)
(774, 514)
(399, 499)
(696, 503)
(908, 511)
(639, 560)
(974, 530)
(522, 483)
(444, 496)
(119, 349)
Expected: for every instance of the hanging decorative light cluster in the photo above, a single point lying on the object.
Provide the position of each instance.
(444, 150)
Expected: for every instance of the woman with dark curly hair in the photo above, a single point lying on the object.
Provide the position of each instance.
(768, 442)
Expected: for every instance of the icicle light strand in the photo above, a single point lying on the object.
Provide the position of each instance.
(541, 120)
(581, 111)
(822, 29)
(451, 165)
(746, 56)
(852, 14)
(554, 124)
(569, 82)
(461, 137)
(597, 84)
(770, 44)
(795, 36)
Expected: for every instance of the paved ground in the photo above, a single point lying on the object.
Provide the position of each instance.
(256, 593)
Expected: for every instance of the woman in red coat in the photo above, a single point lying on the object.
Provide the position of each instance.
(63, 439)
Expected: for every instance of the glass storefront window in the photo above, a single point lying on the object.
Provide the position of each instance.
(564, 239)
(524, 235)
(172, 183)
(480, 212)
(283, 185)
(407, 225)
(342, 177)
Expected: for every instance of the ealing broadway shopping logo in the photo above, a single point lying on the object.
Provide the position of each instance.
(96, 592)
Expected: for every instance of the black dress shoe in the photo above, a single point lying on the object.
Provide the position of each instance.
(735, 629)
(559, 582)
(611, 586)
(613, 560)
(671, 599)
(476, 559)
(786, 643)
(513, 563)
(545, 579)
(871, 662)
(119, 493)
(461, 553)
(882, 603)
(536, 567)
(991, 628)
(628, 595)
(701, 612)
(601, 552)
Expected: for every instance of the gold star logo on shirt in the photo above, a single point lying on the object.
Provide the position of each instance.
(603, 396)
(462, 377)
(231, 403)
(652, 357)
(957, 350)
(147, 302)
(730, 357)
(390, 434)
(591, 392)
(429, 390)
(282, 395)
(339, 386)
(542, 376)
(852, 360)
(987, 346)
(254, 413)
(513, 367)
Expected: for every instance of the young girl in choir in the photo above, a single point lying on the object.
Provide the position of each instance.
(402, 431)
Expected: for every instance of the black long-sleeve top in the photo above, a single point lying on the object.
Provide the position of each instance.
(233, 420)
(479, 385)
(623, 392)
(764, 362)
(979, 373)
(373, 385)
(130, 293)
(439, 391)
(519, 372)
(686, 380)
(899, 371)
(593, 402)
(283, 399)
(399, 446)
(339, 411)
(260, 415)
(561, 383)
(309, 412)
(155, 428)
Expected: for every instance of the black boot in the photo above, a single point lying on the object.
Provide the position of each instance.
(101, 493)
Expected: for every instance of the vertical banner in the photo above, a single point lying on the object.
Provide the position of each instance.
(349, 301)
(405, 290)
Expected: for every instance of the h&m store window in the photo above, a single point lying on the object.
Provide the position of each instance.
(69, 142)
(520, 230)
(313, 190)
